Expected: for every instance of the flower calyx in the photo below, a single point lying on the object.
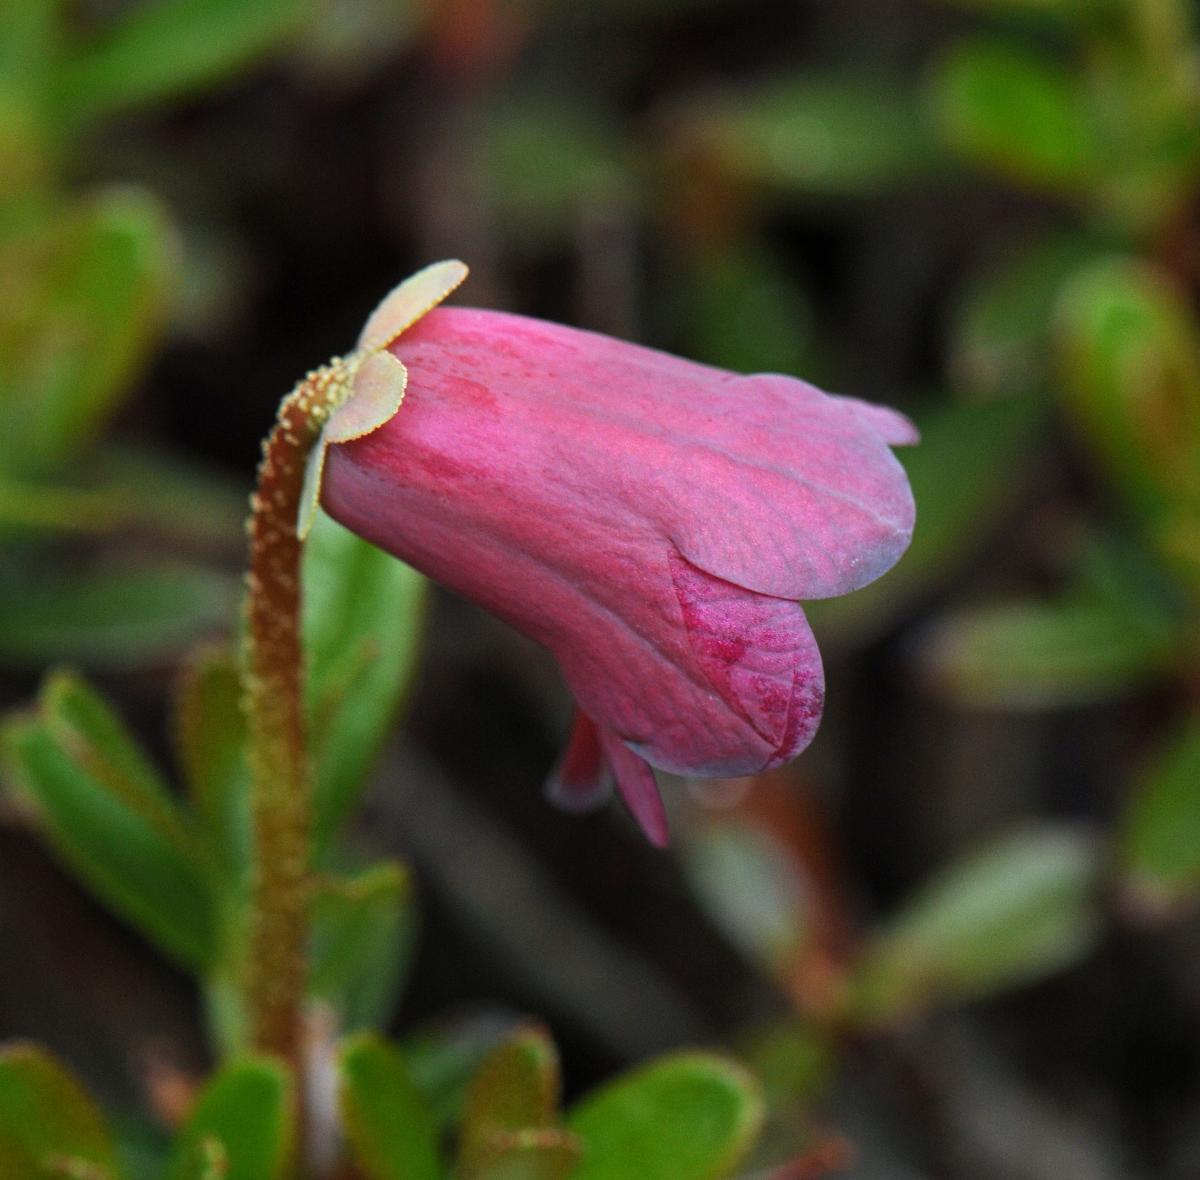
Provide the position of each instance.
(356, 394)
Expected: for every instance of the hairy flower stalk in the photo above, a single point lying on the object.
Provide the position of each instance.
(274, 702)
(346, 399)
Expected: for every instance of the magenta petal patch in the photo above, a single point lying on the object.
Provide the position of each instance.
(581, 780)
(759, 654)
(639, 790)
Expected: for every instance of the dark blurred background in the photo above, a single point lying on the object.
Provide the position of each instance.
(960, 932)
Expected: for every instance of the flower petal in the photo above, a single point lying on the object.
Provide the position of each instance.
(759, 654)
(408, 302)
(636, 786)
(375, 395)
(581, 781)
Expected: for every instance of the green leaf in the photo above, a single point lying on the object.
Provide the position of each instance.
(210, 737)
(84, 308)
(689, 1116)
(1160, 840)
(544, 162)
(166, 495)
(742, 311)
(1015, 911)
(388, 1125)
(511, 1117)
(117, 618)
(832, 134)
(49, 1128)
(1015, 111)
(170, 47)
(749, 883)
(109, 828)
(443, 1059)
(965, 474)
(1002, 339)
(242, 1127)
(363, 618)
(1130, 353)
(363, 933)
(1041, 655)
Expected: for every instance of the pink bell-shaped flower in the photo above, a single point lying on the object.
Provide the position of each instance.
(654, 522)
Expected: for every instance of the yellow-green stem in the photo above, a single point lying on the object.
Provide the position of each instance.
(275, 970)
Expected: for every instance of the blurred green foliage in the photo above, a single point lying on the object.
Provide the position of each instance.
(1081, 325)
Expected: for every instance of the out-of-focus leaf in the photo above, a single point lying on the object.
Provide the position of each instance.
(86, 305)
(543, 162)
(110, 618)
(1018, 910)
(689, 1116)
(30, 509)
(828, 134)
(794, 1062)
(388, 1125)
(363, 929)
(242, 1127)
(49, 1128)
(742, 311)
(143, 1146)
(748, 883)
(363, 618)
(210, 737)
(791, 1059)
(160, 50)
(109, 832)
(1001, 343)
(165, 494)
(1130, 353)
(1009, 108)
(515, 1090)
(964, 475)
(443, 1059)
(1039, 655)
(1160, 843)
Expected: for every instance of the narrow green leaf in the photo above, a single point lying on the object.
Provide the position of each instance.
(1034, 655)
(242, 1127)
(83, 723)
(515, 1090)
(115, 618)
(1015, 911)
(49, 1127)
(163, 49)
(363, 617)
(1013, 110)
(1130, 353)
(87, 305)
(116, 850)
(389, 1128)
(210, 737)
(965, 475)
(363, 930)
(1160, 841)
(1002, 340)
(689, 1116)
(831, 134)
(544, 162)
